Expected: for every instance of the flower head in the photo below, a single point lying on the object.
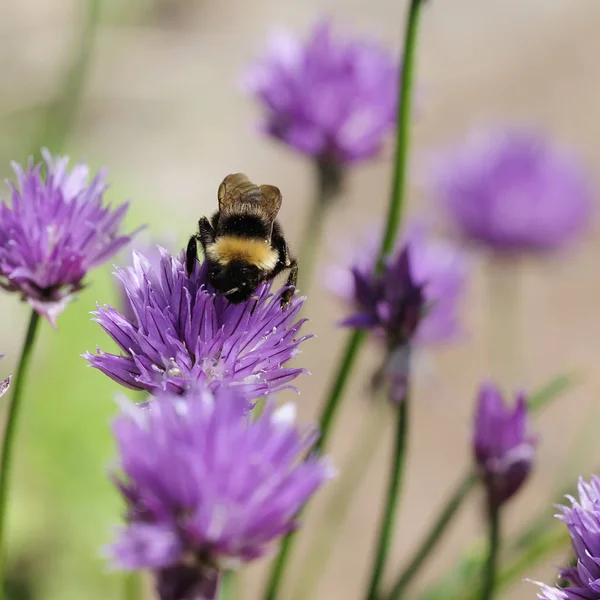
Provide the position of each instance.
(436, 266)
(512, 190)
(503, 449)
(207, 487)
(391, 303)
(329, 99)
(583, 521)
(54, 231)
(183, 333)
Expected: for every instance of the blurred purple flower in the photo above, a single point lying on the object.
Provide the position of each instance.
(332, 100)
(184, 333)
(440, 269)
(55, 230)
(391, 303)
(503, 449)
(511, 190)
(583, 521)
(207, 487)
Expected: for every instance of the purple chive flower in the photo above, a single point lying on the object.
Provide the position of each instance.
(438, 267)
(184, 333)
(512, 190)
(208, 488)
(583, 521)
(391, 304)
(151, 250)
(504, 451)
(330, 99)
(54, 231)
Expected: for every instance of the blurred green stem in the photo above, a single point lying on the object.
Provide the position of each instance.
(491, 563)
(523, 559)
(326, 421)
(344, 490)
(386, 530)
(132, 586)
(227, 588)
(328, 182)
(9, 435)
(393, 222)
(60, 114)
(539, 549)
(406, 80)
(433, 537)
(536, 402)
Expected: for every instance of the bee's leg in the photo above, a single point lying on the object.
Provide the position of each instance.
(285, 262)
(191, 254)
(287, 296)
(206, 236)
(206, 233)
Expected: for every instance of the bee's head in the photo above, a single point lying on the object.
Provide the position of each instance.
(237, 281)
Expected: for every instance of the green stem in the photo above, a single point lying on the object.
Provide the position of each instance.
(61, 113)
(396, 206)
(433, 537)
(491, 564)
(340, 503)
(537, 402)
(328, 182)
(326, 420)
(9, 435)
(393, 221)
(338, 387)
(386, 529)
(227, 587)
(539, 549)
(132, 586)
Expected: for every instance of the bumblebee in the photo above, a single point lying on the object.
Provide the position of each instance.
(243, 243)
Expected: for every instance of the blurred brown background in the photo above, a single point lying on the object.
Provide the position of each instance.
(162, 109)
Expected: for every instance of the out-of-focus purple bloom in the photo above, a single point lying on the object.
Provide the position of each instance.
(504, 450)
(208, 488)
(332, 100)
(391, 304)
(512, 190)
(437, 267)
(583, 520)
(183, 333)
(54, 231)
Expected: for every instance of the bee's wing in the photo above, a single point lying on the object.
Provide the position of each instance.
(238, 194)
(271, 200)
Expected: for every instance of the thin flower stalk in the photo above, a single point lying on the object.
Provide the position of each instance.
(8, 440)
(393, 223)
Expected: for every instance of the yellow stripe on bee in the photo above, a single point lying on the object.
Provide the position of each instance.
(254, 251)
